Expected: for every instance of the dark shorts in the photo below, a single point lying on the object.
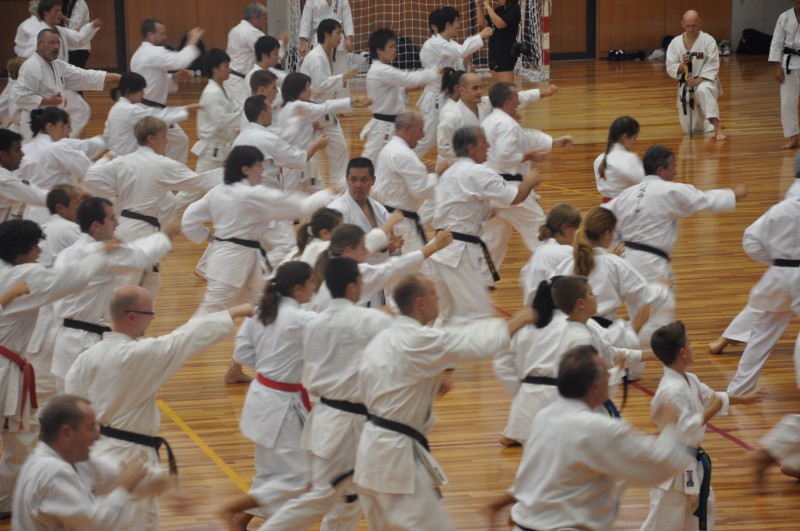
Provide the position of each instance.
(501, 61)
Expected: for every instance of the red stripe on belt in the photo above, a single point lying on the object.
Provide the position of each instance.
(287, 387)
(606, 200)
(28, 378)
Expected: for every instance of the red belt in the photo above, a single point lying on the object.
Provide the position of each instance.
(606, 200)
(28, 378)
(287, 387)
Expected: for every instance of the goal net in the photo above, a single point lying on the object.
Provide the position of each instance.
(409, 19)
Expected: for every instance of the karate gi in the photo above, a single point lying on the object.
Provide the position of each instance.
(141, 181)
(786, 35)
(25, 38)
(783, 441)
(153, 62)
(534, 352)
(508, 142)
(91, 304)
(146, 364)
(54, 494)
(13, 191)
(541, 266)
(334, 344)
(10, 113)
(241, 49)
(39, 79)
(386, 87)
(273, 419)
(280, 74)
(314, 12)
(568, 475)
(670, 506)
(217, 127)
(402, 182)
(777, 294)
(466, 194)
(436, 53)
(122, 118)
(399, 377)
(235, 272)
(623, 169)
(707, 92)
(17, 322)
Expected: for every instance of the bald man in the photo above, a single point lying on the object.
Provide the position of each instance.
(693, 59)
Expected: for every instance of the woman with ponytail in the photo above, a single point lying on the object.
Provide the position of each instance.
(618, 167)
(534, 355)
(277, 404)
(314, 236)
(556, 236)
(615, 282)
(129, 109)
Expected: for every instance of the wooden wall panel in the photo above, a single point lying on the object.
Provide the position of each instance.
(568, 26)
(14, 12)
(715, 14)
(179, 16)
(217, 18)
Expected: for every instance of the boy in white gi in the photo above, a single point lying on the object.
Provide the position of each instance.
(686, 501)
(314, 12)
(784, 51)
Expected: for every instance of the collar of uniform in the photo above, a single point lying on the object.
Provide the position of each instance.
(404, 320)
(618, 147)
(116, 336)
(340, 303)
(146, 149)
(673, 374)
(600, 250)
(651, 178)
(43, 137)
(255, 125)
(575, 403)
(399, 140)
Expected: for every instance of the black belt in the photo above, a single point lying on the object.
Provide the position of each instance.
(540, 380)
(512, 178)
(524, 528)
(602, 321)
(385, 117)
(789, 52)
(413, 216)
(349, 498)
(344, 405)
(252, 244)
(86, 327)
(151, 103)
(237, 74)
(399, 427)
(782, 262)
(705, 488)
(647, 249)
(152, 220)
(144, 440)
(469, 238)
(331, 118)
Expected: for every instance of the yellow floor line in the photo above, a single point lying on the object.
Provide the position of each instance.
(203, 446)
(591, 194)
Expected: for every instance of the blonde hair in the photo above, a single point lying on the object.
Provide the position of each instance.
(13, 65)
(147, 126)
(560, 215)
(597, 222)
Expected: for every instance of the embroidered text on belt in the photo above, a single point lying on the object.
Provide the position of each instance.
(408, 214)
(469, 238)
(344, 405)
(385, 117)
(86, 327)
(130, 214)
(286, 387)
(647, 249)
(399, 427)
(788, 53)
(252, 244)
(145, 440)
(28, 378)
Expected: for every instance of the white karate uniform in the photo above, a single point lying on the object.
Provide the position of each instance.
(17, 322)
(78, 20)
(235, 273)
(783, 441)
(13, 191)
(403, 182)
(508, 142)
(777, 294)
(786, 35)
(386, 87)
(436, 53)
(280, 74)
(25, 38)
(153, 62)
(707, 92)
(571, 464)
(122, 118)
(670, 506)
(54, 494)
(623, 169)
(10, 113)
(39, 79)
(241, 49)
(334, 343)
(534, 352)
(314, 12)
(271, 418)
(100, 374)
(466, 194)
(541, 266)
(217, 127)
(313, 249)
(91, 304)
(399, 376)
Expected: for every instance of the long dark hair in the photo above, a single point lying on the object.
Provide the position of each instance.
(624, 125)
(287, 276)
(344, 236)
(323, 219)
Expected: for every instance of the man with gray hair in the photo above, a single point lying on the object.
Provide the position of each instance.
(403, 182)
(241, 49)
(466, 195)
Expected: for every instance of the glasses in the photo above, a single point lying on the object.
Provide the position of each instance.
(140, 312)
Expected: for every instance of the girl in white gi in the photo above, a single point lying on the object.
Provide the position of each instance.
(556, 235)
(618, 167)
(129, 109)
(615, 282)
(48, 161)
(314, 236)
(277, 404)
(295, 124)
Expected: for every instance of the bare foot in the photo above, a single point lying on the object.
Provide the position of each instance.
(789, 471)
(721, 136)
(791, 144)
(240, 521)
(199, 274)
(508, 443)
(716, 347)
(236, 375)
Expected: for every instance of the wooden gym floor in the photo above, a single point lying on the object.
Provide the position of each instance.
(200, 414)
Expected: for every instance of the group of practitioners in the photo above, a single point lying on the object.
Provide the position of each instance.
(342, 401)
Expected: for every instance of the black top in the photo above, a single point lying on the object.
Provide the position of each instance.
(502, 39)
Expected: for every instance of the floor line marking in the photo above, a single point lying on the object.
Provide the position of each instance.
(565, 189)
(203, 446)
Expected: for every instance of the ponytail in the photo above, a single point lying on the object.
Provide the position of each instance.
(450, 79)
(543, 303)
(287, 276)
(344, 236)
(558, 216)
(624, 125)
(323, 219)
(47, 115)
(597, 222)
